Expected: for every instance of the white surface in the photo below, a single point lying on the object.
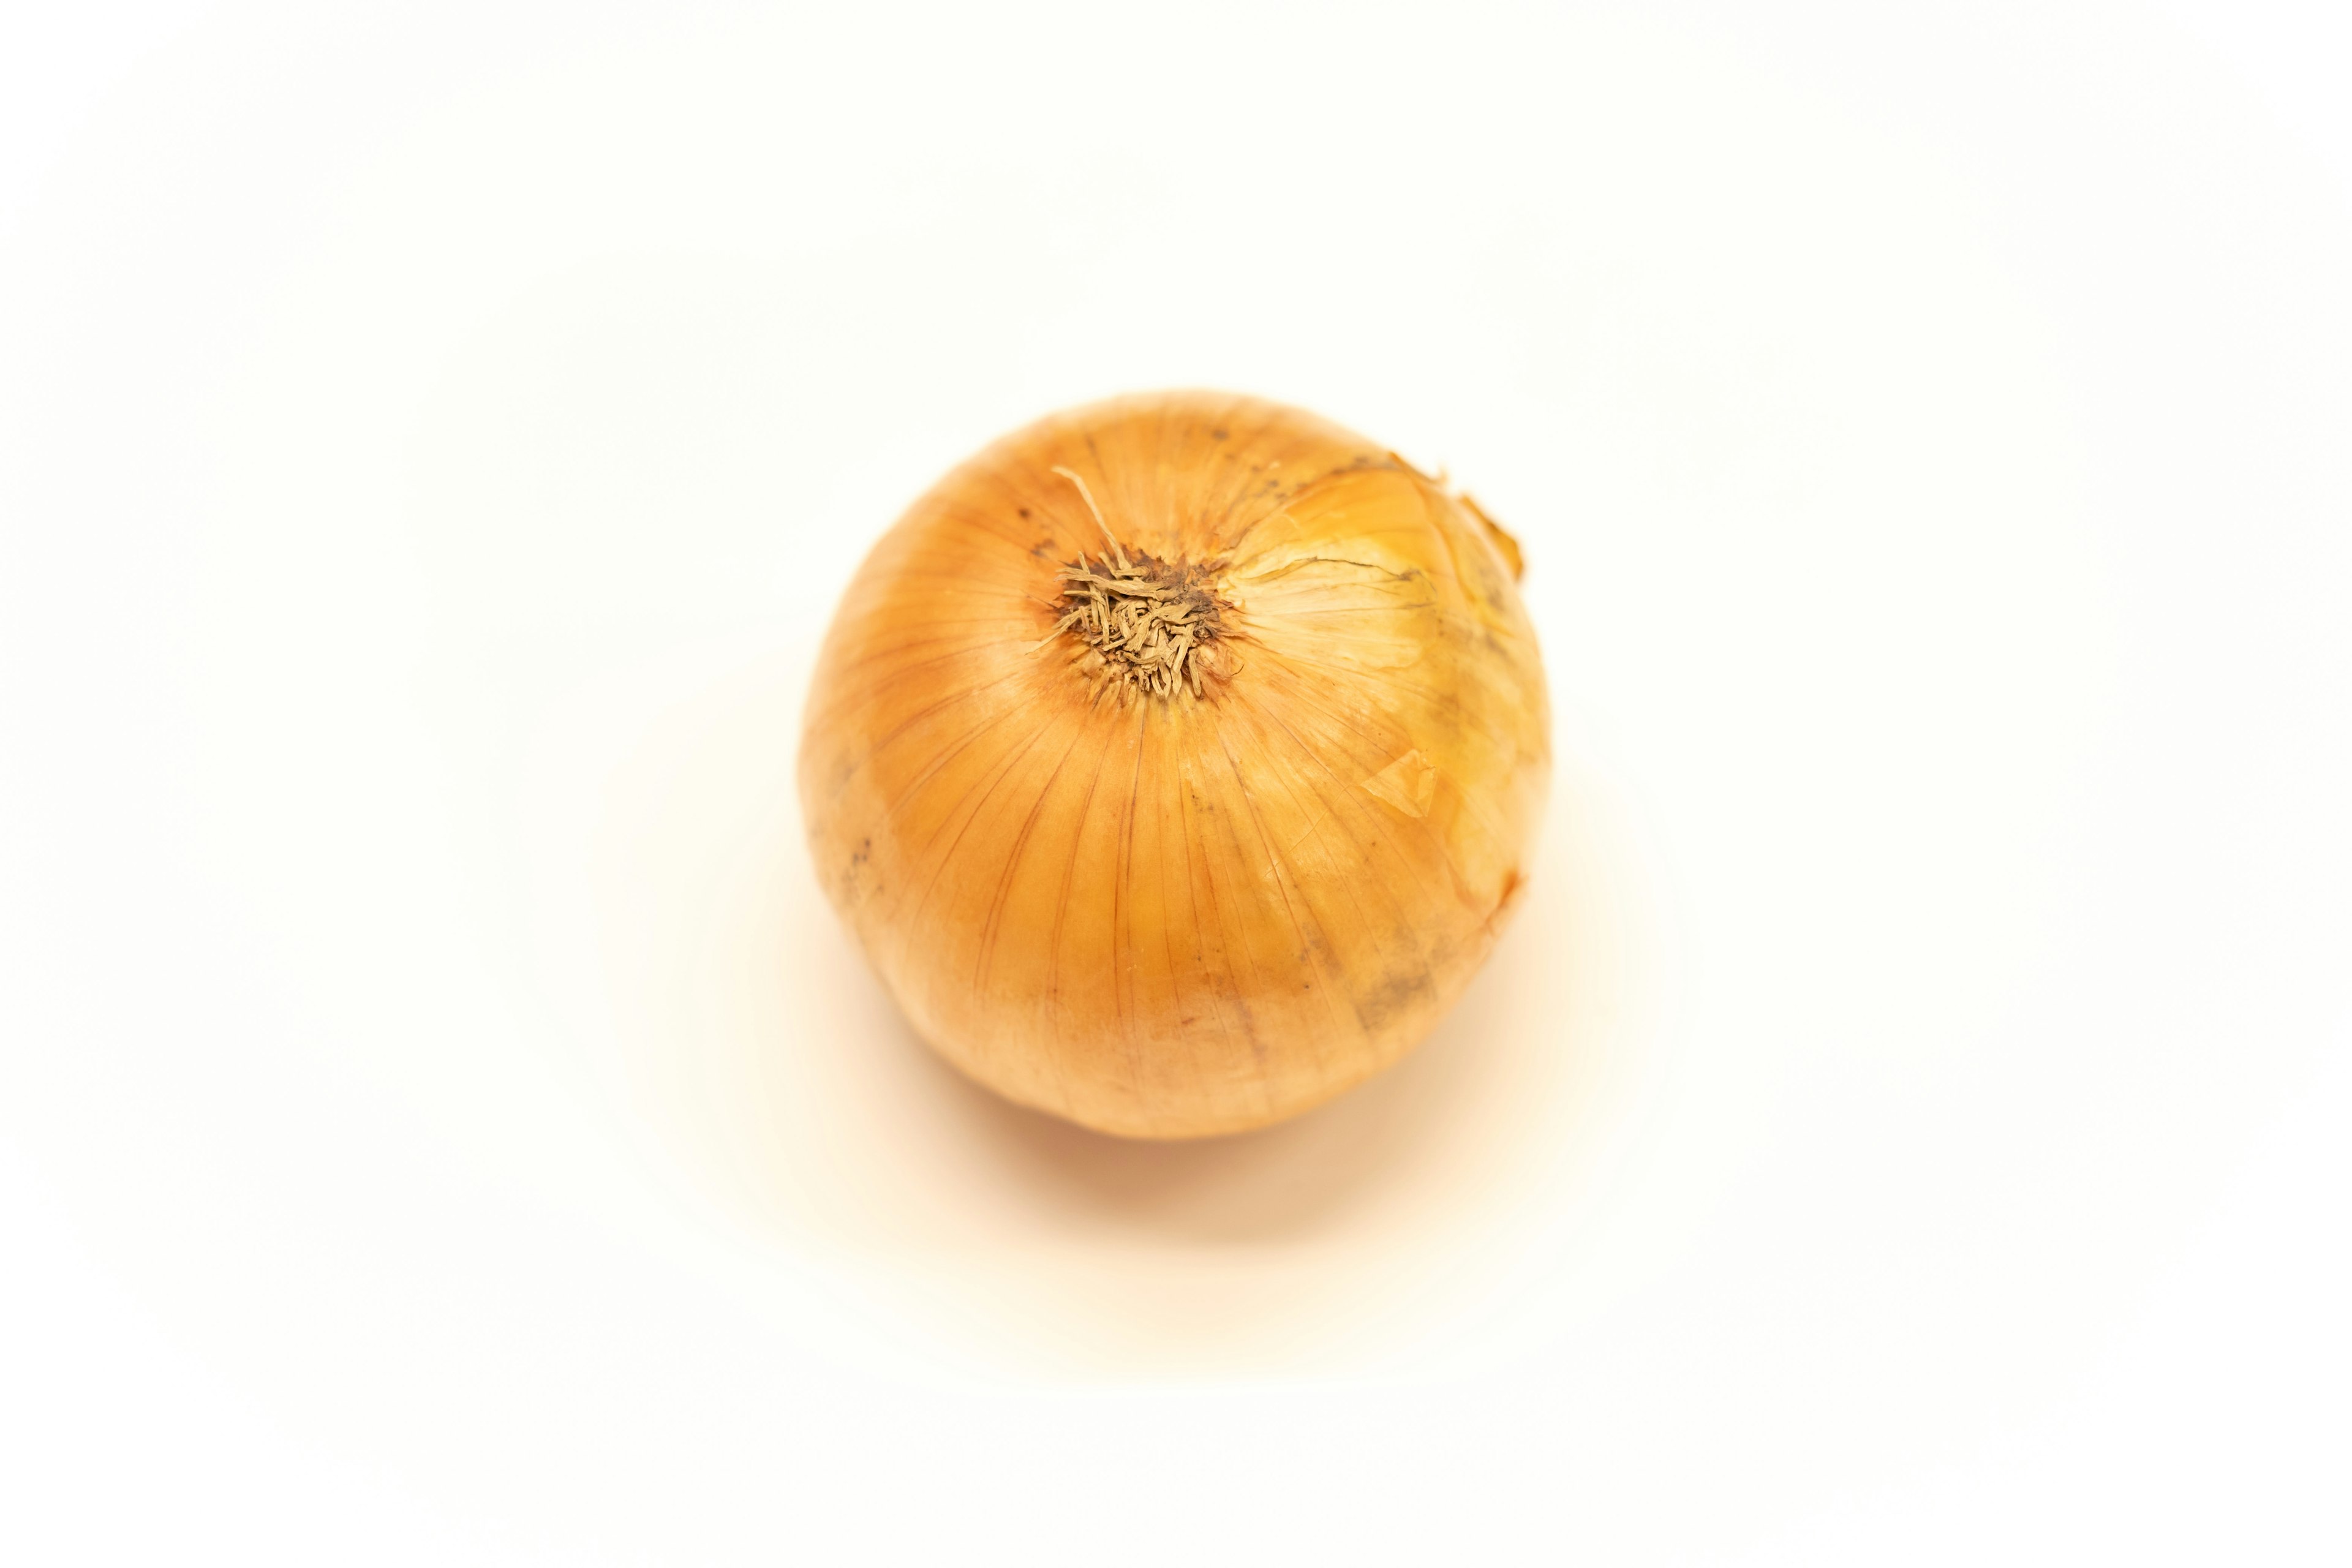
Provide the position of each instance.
(438, 1120)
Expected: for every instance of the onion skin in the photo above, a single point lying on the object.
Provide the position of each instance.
(1178, 916)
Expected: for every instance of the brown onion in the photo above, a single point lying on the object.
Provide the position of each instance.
(1177, 760)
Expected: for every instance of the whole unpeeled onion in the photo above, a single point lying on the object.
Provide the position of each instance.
(1177, 759)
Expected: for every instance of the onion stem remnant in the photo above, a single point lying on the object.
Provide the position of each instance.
(1150, 624)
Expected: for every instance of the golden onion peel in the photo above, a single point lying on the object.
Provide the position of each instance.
(1177, 759)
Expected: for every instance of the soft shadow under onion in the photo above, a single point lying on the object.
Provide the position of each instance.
(774, 1065)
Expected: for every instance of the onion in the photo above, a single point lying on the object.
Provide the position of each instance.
(1177, 759)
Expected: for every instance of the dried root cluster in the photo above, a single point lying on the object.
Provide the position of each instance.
(1152, 624)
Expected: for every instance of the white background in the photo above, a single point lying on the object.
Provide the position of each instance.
(440, 1122)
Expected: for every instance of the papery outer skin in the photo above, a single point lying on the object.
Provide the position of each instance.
(1173, 917)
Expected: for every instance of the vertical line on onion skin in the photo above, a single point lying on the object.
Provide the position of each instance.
(1160, 883)
(979, 800)
(864, 694)
(895, 811)
(958, 645)
(1428, 829)
(1316, 819)
(1105, 470)
(1012, 864)
(1121, 940)
(1291, 502)
(1379, 822)
(1232, 992)
(1416, 944)
(898, 803)
(894, 808)
(1062, 903)
(1433, 505)
(1217, 974)
(1319, 951)
(993, 925)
